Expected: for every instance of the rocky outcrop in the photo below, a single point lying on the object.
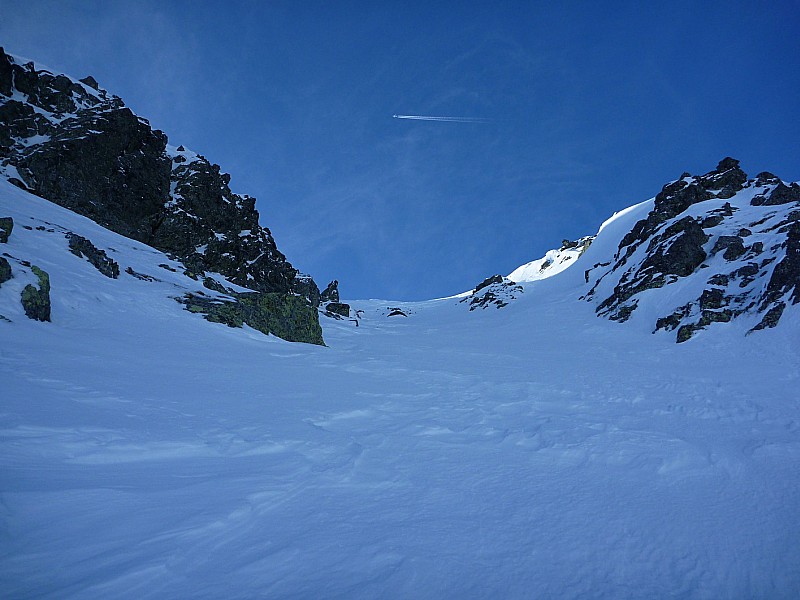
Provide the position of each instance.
(495, 291)
(81, 247)
(331, 293)
(283, 315)
(746, 249)
(331, 306)
(77, 145)
(334, 309)
(36, 300)
(5, 270)
(6, 227)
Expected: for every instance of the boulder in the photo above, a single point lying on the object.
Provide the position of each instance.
(36, 300)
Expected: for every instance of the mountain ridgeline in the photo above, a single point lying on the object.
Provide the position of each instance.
(711, 249)
(74, 144)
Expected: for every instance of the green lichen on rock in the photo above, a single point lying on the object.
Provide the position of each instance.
(6, 225)
(286, 316)
(36, 301)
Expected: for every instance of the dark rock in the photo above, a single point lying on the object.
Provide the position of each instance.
(6, 74)
(719, 280)
(743, 232)
(306, 287)
(487, 282)
(748, 270)
(771, 317)
(766, 178)
(396, 312)
(6, 227)
(674, 320)
(331, 293)
(167, 267)
(781, 194)
(581, 244)
(5, 270)
(786, 274)
(727, 177)
(712, 316)
(686, 332)
(684, 254)
(712, 221)
(140, 276)
(713, 298)
(81, 247)
(214, 285)
(91, 82)
(732, 245)
(338, 308)
(36, 301)
(624, 312)
(289, 317)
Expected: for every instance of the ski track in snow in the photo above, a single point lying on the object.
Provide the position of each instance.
(534, 451)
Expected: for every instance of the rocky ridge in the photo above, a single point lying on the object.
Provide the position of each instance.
(713, 248)
(73, 143)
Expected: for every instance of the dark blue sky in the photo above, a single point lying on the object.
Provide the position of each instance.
(594, 106)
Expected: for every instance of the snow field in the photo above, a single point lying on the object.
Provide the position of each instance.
(533, 451)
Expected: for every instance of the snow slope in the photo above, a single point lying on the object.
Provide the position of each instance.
(533, 451)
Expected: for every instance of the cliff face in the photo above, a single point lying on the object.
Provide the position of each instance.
(75, 144)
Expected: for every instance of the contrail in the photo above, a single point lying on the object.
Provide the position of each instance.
(445, 119)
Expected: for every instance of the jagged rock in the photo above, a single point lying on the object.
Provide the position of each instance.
(719, 279)
(712, 221)
(496, 290)
(81, 247)
(732, 245)
(685, 332)
(771, 317)
(728, 178)
(781, 194)
(305, 286)
(674, 320)
(396, 312)
(684, 254)
(581, 244)
(91, 82)
(338, 308)
(5, 270)
(36, 301)
(786, 275)
(744, 232)
(6, 227)
(331, 293)
(141, 276)
(712, 316)
(487, 282)
(713, 298)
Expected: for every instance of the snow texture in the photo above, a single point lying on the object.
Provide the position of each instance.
(536, 451)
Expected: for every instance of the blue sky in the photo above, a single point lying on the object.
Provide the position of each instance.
(593, 107)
